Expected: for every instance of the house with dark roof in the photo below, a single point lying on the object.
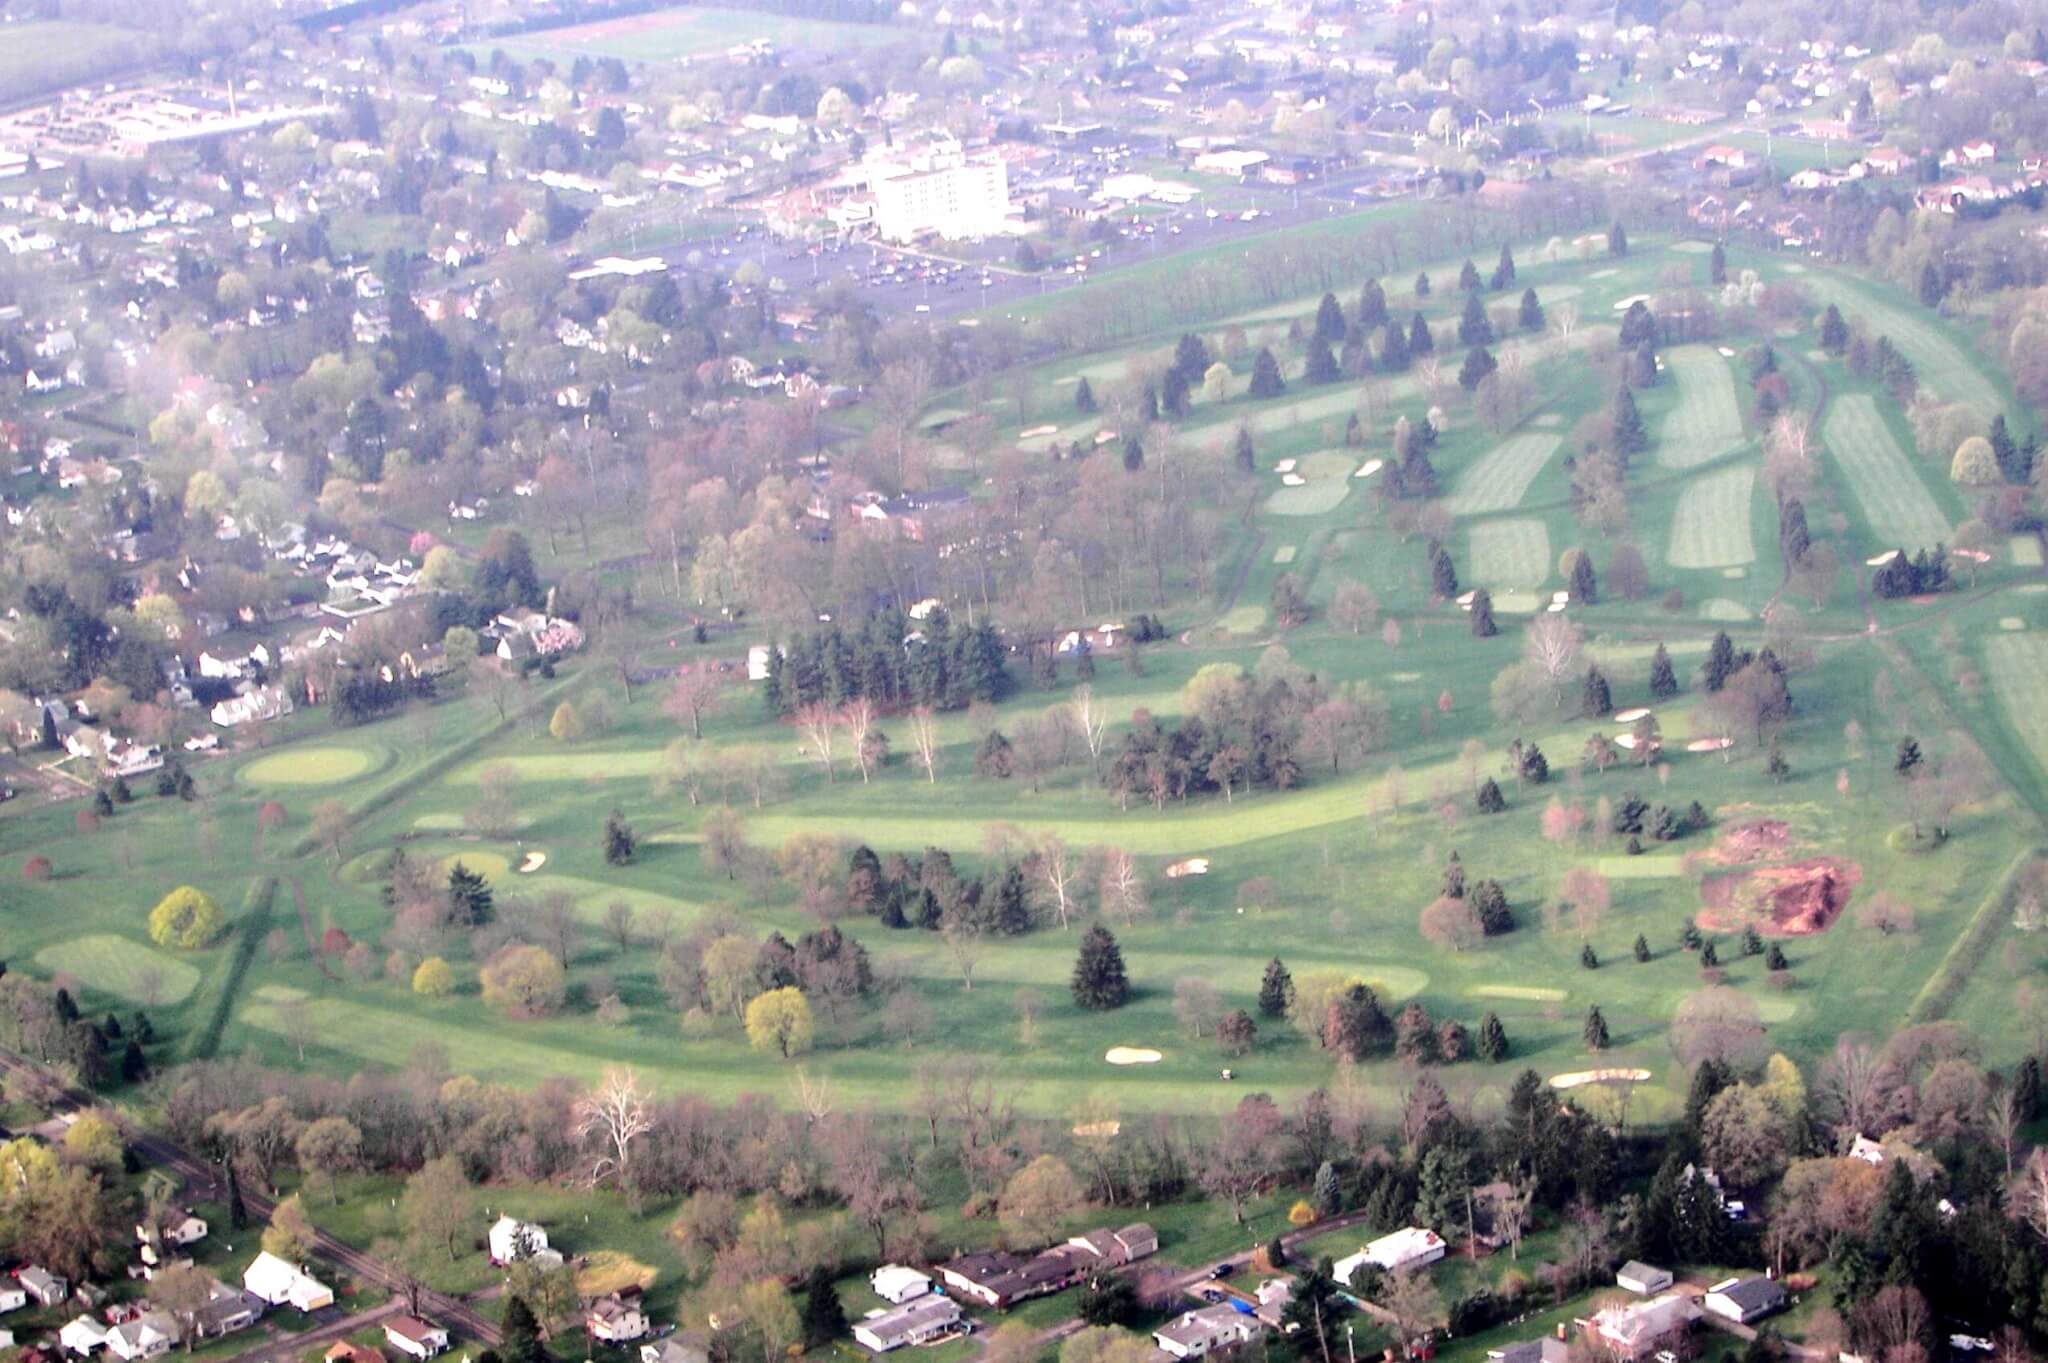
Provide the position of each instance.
(1743, 1300)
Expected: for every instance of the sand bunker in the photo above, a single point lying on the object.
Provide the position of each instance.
(1284, 466)
(534, 861)
(1628, 741)
(1798, 900)
(1879, 560)
(1709, 744)
(1132, 1055)
(1037, 431)
(1631, 716)
(1193, 866)
(1104, 437)
(1101, 1130)
(1973, 555)
(1580, 1078)
(1369, 468)
(1757, 840)
(1624, 304)
(1725, 352)
(1292, 479)
(1555, 607)
(1465, 598)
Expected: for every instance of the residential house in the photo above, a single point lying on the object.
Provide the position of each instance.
(1274, 1295)
(1743, 1300)
(13, 1296)
(228, 1311)
(82, 1335)
(1635, 1330)
(1865, 1149)
(1886, 161)
(44, 1286)
(618, 1318)
(1645, 1280)
(283, 1284)
(146, 1336)
(415, 1338)
(1410, 1248)
(511, 1240)
(1115, 1248)
(1976, 153)
(256, 706)
(914, 1322)
(896, 1284)
(1721, 157)
(1195, 1333)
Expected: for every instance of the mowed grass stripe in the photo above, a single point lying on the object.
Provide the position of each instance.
(107, 964)
(1938, 362)
(1883, 480)
(1707, 422)
(2018, 664)
(1498, 482)
(1710, 527)
(1509, 553)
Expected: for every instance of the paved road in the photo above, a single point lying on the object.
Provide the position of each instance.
(446, 1310)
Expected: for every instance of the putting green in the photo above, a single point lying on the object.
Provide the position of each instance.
(489, 865)
(128, 970)
(1721, 608)
(1310, 499)
(2026, 551)
(1693, 248)
(1243, 619)
(1641, 868)
(324, 766)
(1527, 993)
(1326, 464)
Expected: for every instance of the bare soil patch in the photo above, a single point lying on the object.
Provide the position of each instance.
(1756, 840)
(1796, 900)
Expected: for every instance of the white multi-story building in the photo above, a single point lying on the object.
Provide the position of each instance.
(966, 199)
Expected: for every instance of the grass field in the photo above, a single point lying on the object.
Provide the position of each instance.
(321, 766)
(49, 54)
(1498, 482)
(1942, 366)
(2017, 665)
(1317, 497)
(1883, 480)
(1711, 527)
(126, 969)
(697, 31)
(1707, 422)
(1509, 553)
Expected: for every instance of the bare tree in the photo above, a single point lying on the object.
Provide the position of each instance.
(1848, 1091)
(1090, 720)
(617, 1115)
(618, 921)
(963, 944)
(819, 724)
(858, 715)
(696, 693)
(1564, 318)
(1552, 643)
(1058, 868)
(1123, 887)
(924, 737)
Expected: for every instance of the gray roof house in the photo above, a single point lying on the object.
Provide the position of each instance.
(1745, 1299)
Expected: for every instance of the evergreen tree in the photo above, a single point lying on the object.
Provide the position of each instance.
(1394, 356)
(1329, 319)
(2002, 447)
(519, 1334)
(1780, 770)
(134, 1065)
(1468, 278)
(1689, 936)
(1595, 699)
(1489, 799)
(1774, 957)
(2026, 1088)
(1721, 662)
(1479, 363)
(238, 1211)
(1173, 397)
(1752, 942)
(1266, 381)
(1710, 955)
(1834, 332)
(1490, 903)
(1533, 766)
(1084, 397)
(1148, 404)
(1012, 915)
(1276, 990)
(1483, 626)
(823, 1318)
(470, 901)
(1584, 586)
(1588, 957)
(1617, 240)
(1134, 454)
(1422, 285)
(1474, 329)
(619, 842)
(1322, 365)
(1247, 458)
(1191, 358)
(1453, 877)
(1372, 306)
(1443, 574)
(1642, 366)
(1642, 948)
(1595, 1030)
(1530, 315)
(1099, 979)
(1493, 1039)
(1420, 339)
(1932, 290)
(1503, 270)
(1625, 423)
(1327, 1193)
(1909, 756)
(1717, 266)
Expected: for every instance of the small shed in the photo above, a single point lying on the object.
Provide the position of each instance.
(897, 1283)
(1645, 1280)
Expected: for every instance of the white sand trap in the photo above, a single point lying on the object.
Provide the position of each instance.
(1549, 419)
(1602, 274)
(1193, 866)
(1066, 381)
(1725, 352)
(1369, 468)
(1556, 607)
(1580, 1078)
(2030, 588)
(1404, 676)
(1974, 555)
(1132, 1055)
(1624, 304)
(1693, 248)
(1631, 716)
(2011, 623)
(1104, 437)
(534, 861)
(1292, 480)
(1285, 553)
(1465, 599)
(1036, 431)
(1709, 744)
(1625, 741)
(1880, 560)
(1101, 1130)
(1818, 356)
(1560, 598)
(1284, 466)
(1735, 574)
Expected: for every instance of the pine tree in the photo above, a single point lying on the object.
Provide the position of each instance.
(1720, 664)
(1191, 358)
(1489, 799)
(1530, 315)
(1642, 948)
(1834, 332)
(619, 842)
(519, 1334)
(134, 1064)
(2026, 1088)
(1909, 756)
(823, 1318)
(1932, 289)
(1148, 405)
(1483, 626)
(1710, 955)
(1134, 454)
(1084, 397)
(1454, 877)
(1276, 990)
(1479, 363)
(1473, 327)
(238, 1211)
(1420, 339)
(1625, 424)
(1322, 365)
(1468, 278)
(1504, 269)
(1717, 266)
(1595, 1030)
(1493, 1039)
(2002, 447)
(1689, 938)
(1774, 957)
(1752, 942)
(1443, 574)
(1780, 770)
(1595, 699)
(1247, 458)
(1617, 240)
(1372, 306)
(1099, 979)
(1328, 1191)
(1585, 587)
(1394, 355)
(1588, 957)
(1173, 396)
(1422, 285)
(1490, 902)
(1329, 319)
(1266, 381)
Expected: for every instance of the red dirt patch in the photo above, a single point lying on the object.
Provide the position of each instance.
(1798, 900)
(1757, 840)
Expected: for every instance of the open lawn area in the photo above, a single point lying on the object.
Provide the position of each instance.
(1884, 481)
(48, 54)
(697, 31)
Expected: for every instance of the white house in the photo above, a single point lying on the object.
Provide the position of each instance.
(283, 1284)
(915, 1322)
(44, 1286)
(13, 1296)
(82, 1335)
(1640, 1328)
(1643, 1279)
(1410, 1248)
(415, 1338)
(897, 1284)
(511, 1240)
(617, 1318)
(1195, 1333)
(144, 1337)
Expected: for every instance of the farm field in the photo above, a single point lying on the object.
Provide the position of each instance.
(48, 54)
(698, 30)
(1881, 478)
